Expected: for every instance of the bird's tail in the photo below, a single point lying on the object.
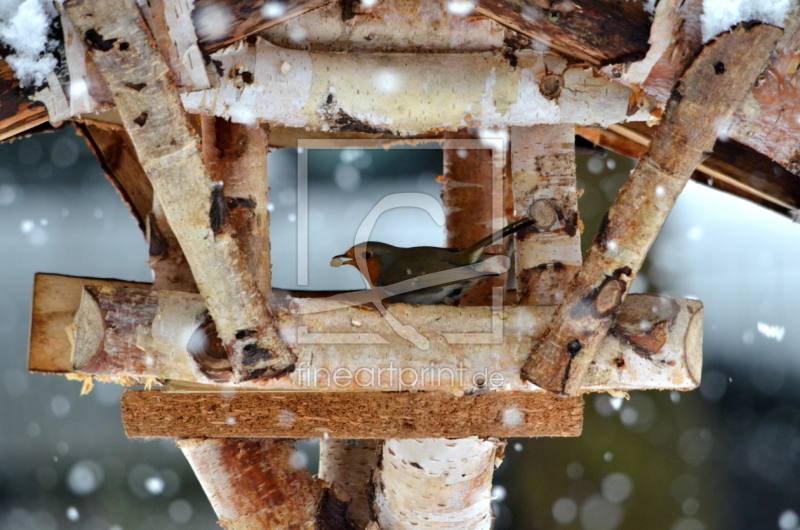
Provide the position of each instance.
(475, 250)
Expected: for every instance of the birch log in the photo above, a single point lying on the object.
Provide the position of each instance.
(350, 463)
(255, 484)
(151, 111)
(675, 39)
(408, 94)
(545, 189)
(170, 22)
(701, 106)
(436, 484)
(236, 155)
(471, 349)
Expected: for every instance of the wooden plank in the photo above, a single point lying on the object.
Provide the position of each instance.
(55, 299)
(17, 113)
(154, 414)
(598, 31)
(222, 22)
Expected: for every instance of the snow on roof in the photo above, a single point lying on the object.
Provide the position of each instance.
(720, 15)
(24, 27)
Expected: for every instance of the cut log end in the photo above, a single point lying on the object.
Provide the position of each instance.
(90, 329)
(544, 215)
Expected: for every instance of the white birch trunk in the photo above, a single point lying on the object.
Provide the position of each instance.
(407, 93)
(436, 484)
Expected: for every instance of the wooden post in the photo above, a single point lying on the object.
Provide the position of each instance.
(350, 463)
(545, 188)
(436, 484)
(701, 106)
(236, 155)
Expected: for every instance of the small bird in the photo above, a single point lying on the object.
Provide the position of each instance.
(388, 266)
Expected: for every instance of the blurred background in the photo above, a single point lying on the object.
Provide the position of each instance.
(724, 457)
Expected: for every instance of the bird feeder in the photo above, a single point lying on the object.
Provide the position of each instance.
(181, 100)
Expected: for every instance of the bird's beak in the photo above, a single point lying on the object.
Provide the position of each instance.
(342, 259)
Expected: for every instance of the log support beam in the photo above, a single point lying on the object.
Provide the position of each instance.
(701, 106)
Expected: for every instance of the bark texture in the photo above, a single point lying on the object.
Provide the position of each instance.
(170, 22)
(675, 39)
(599, 32)
(222, 22)
(767, 119)
(545, 189)
(472, 349)
(255, 484)
(236, 155)
(701, 106)
(350, 463)
(436, 484)
(194, 205)
(55, 300)
(374, 415)
(421, 26)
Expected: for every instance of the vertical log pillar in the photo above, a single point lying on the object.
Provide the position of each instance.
(545, 188)
(236, 155)
(473, 208)
(171, 271)
(350, 463)
(436, 484)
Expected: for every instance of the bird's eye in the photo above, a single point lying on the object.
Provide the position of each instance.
(366, 254)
